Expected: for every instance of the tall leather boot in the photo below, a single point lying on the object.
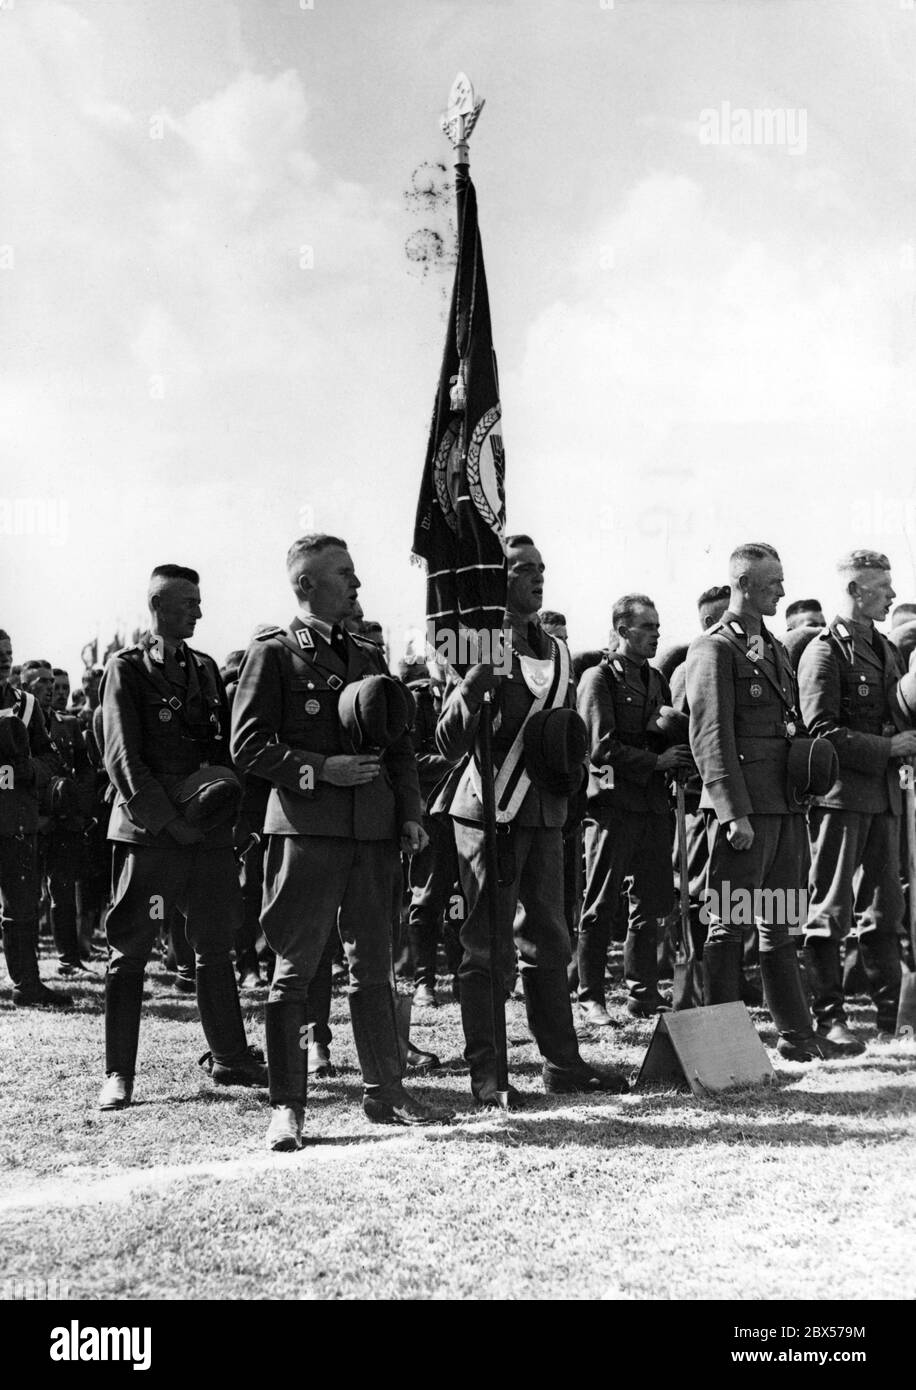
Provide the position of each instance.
(788, 1006)
(476, 1002)
(825, 977)
(477, 1024)
(550, 1020)
(373, 1015)
(20, 947)
(123, 1005)
(722, 960)
(640, 968)
(230, 1061)
(880, 956)
(286, 1031)
(424, 943)
(549, 1016)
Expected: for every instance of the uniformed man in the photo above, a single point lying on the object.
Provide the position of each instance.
(804, 619)
(334, 820)
(743, 716)
(629, 833)
(531, 812)
(26, 763)
(848, 681)
(165, 734)
(711, 605)
(433, 872)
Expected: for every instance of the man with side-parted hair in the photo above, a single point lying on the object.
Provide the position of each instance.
(849, 679)
(164, 732)
(744, 715)
(318, 715)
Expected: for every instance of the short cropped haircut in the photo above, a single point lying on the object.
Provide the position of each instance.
(4, 636)
(519, 538)
(625, 608)
(748, 554)
(719, 593)
(549, 616)
(36, 665)
(175, 572)
(306, 546)
(803, 605)
(59, 671)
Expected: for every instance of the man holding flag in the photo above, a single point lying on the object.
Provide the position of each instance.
(539, 749)
(511, 718)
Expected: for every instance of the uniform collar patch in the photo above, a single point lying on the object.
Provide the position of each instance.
(305, 638)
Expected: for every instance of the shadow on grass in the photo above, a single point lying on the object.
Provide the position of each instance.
(546, 1129)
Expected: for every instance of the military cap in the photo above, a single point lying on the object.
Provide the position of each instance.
(209, 797)
(555, 743)
(374, 712)
(813, 767)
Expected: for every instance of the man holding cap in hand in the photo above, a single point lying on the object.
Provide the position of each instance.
(318, 716)
(165, 732)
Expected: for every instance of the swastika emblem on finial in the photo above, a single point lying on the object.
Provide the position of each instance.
(463, 109)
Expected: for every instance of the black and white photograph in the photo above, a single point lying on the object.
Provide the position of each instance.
(457, 668)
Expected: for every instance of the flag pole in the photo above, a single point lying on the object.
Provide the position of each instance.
(458, 122)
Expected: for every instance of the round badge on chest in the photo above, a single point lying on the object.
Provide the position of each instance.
(756, 690)
(312, 706)
(165, 715)
(863, 690)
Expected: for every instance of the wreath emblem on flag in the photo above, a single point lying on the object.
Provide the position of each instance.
(487, 469)
(447, 471)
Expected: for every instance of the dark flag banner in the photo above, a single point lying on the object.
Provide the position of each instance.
(462, 507)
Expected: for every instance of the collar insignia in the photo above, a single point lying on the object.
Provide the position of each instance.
(305, 638)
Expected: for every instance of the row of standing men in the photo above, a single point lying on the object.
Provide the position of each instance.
(316, 725)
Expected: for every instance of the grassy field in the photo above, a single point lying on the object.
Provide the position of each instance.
(805, 1189)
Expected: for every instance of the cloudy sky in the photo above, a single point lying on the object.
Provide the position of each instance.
(212, 339)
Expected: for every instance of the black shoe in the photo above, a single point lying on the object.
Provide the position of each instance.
(595, 1014)
(583, 1080)
(249, 1069)
(837, 1033)
(284, 1133)
(406, 1110)
(320, 1065)
(418, 1060)
(648, 1008)
(184, 985)
(812, 1049)
(487, 1098)
(69, 969)
(37, 996)
(117, 1092)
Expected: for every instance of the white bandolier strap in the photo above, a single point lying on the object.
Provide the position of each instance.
(512, 781)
